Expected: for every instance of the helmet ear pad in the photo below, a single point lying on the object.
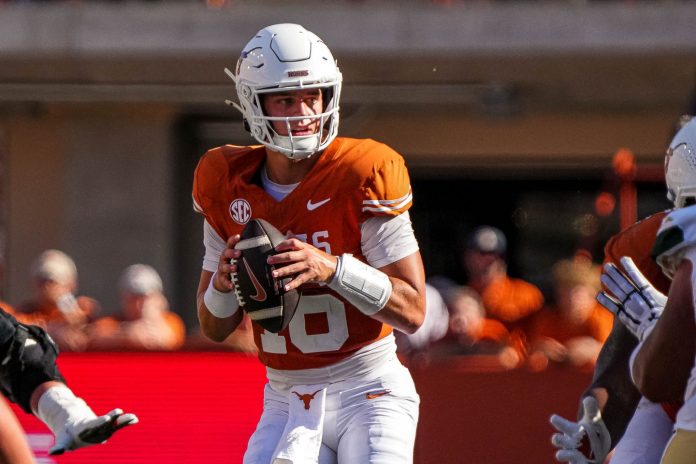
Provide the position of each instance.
(680, 166)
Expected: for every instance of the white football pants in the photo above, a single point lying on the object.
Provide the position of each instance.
(646, 436)
(362, 424)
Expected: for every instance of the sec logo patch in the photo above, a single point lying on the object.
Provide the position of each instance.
(240, 210)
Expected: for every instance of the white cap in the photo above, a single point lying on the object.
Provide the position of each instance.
(140, 279)
(54, 265)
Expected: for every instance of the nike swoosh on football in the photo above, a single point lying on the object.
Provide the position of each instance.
(260, 292)
(312, 206)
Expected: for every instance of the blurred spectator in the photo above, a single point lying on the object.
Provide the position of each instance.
(573, 330)
(55, 306)
(434, 326)
(471, 332)
(144, 322)
(505, 299)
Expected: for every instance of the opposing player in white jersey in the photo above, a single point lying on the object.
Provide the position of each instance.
(336, 391)
(606, 419)
(663, 365)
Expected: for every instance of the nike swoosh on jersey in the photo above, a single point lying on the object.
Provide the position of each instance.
(376, 394)
(260, 292)
(312, 206)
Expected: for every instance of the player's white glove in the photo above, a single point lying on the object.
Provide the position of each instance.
(572, 433)
(91, 431)
(632, 298)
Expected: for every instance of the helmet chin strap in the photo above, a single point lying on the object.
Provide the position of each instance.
(300, 147)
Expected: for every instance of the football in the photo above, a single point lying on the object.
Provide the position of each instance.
(259, 294)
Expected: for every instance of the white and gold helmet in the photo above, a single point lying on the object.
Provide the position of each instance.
(680, 165)
(287, 57)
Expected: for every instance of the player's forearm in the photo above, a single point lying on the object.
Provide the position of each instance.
(394, 294)
(216, 329)
(13, 445)
(405, 309)
(611, 385)
(663, 361)
(650, 369)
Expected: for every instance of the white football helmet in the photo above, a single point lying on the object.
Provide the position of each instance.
(286, 57)
(680, 165)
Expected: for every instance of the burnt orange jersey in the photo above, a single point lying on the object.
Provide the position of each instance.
(352, 181)
(637, 241)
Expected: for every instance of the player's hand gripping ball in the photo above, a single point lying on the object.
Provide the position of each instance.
(259, 293)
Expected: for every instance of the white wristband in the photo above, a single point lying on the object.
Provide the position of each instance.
(365, 287)
(220, 304)
(58, 406)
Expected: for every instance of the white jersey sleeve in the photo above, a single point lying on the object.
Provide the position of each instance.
(214, 246)
(387, 239)
(676, 235)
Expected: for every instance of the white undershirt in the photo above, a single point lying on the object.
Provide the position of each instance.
(277, 191)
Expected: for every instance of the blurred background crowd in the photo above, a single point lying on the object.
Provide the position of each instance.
(488, 312)
(493, 313)
(533, 131)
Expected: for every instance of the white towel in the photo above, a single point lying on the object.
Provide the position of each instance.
(301, 438)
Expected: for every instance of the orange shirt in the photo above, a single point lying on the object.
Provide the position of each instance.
(41, 314)
(8, 309)
(352, 181)
(510, 300)
(171, 330)
(550, 323)
(493, 331)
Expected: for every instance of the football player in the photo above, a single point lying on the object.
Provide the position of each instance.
(662, 365)
(612, 413)
(336, 391)
(29, 377)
